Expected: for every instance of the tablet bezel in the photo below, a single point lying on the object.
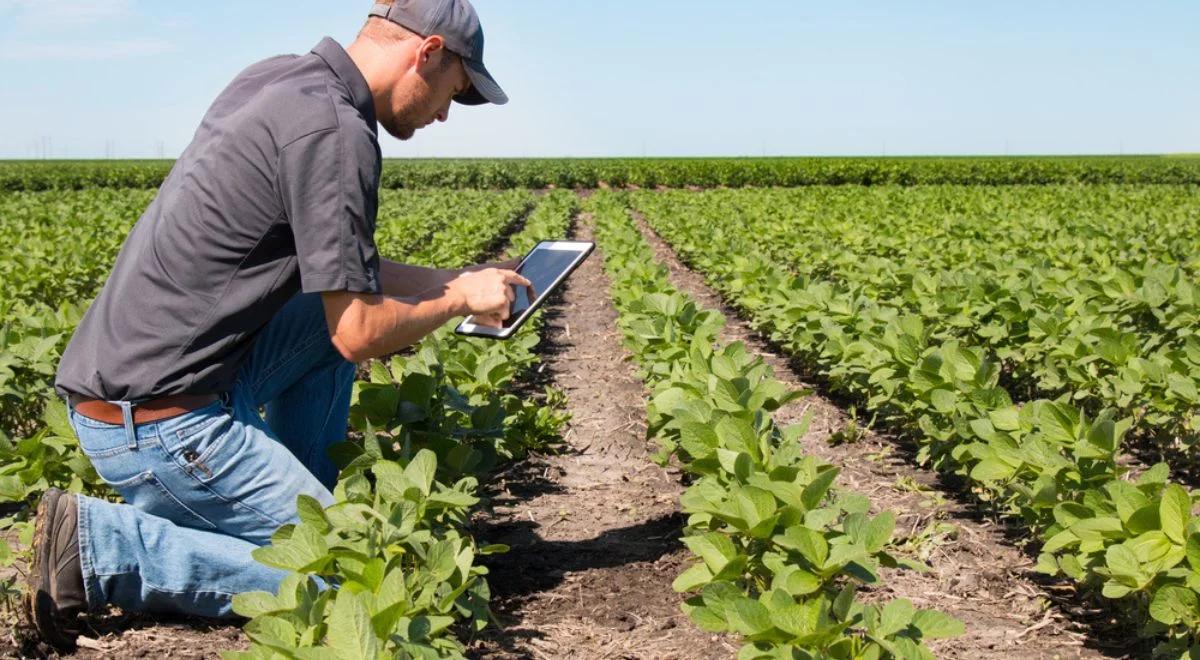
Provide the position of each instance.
(582, 250)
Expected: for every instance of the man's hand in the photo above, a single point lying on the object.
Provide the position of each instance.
(488, 293)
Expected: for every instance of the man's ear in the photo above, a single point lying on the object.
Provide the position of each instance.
(430, 49)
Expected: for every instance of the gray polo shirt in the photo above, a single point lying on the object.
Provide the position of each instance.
(277, 193)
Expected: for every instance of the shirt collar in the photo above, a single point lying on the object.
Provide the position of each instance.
(347, 71)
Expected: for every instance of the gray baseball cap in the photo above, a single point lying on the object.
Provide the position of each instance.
(457, 23)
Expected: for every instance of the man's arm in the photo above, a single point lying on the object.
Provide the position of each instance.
(363, 325)
(406, 281)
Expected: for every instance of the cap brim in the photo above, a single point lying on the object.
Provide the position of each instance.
(484, 88)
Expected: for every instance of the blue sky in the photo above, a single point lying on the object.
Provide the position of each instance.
(86, 78)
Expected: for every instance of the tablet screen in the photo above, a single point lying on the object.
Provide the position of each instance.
(542, 267)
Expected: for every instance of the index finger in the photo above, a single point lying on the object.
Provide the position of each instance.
(511, 277)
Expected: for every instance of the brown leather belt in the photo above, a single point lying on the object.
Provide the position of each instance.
(148, 411)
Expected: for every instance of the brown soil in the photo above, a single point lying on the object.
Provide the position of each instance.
(977, 574)
(594, 530)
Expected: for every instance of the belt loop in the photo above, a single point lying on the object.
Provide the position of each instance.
(130, 429)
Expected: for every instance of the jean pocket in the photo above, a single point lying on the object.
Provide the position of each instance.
(196, 447)
(146, 492)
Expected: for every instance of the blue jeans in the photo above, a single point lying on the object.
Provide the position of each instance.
(207, 487)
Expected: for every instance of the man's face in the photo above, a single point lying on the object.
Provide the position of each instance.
(423, 95)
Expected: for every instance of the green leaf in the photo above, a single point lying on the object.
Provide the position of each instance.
(1123, 562)
(56, 419)
(714, 548)
(1157, 474)
(12, 489)
(1127, 498)
(809, 543)
(452, 499)
(1006, 419)
(421, 470)
(936, 625)
(312, 513)
(706, 619)
(252, 604)
(693, 578)
(1174, 512)
(350, 635)
(303, 552)
(738, 464)
(1173, 605)
(992, 469)
(879, 531)
(815, 491)
(441, 560)
(944, 401)
(1059, 422)
(1193, 551)
(738, 435)
(895, 616)
(754, 505)
(749, 617)
(798, 582)
(796, 619)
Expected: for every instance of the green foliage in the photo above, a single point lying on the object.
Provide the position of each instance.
(404, 570)
(49, 457)
(1084, 292)
(780, 554)
(1050, 462)
(671, 172)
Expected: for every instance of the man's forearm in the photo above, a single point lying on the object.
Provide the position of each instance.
(385, 324)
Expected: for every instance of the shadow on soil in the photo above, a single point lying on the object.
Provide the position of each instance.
(535, 565)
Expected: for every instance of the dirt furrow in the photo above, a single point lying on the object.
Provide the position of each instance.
(977, 574)
(594, 530)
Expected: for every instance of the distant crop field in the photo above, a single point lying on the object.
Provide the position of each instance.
(669, 172)
(1028, 329)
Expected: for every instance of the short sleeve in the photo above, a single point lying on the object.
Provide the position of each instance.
(329, 184)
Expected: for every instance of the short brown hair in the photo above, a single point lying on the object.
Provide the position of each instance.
(384, 31)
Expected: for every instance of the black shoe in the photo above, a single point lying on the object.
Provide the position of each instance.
(56, 595)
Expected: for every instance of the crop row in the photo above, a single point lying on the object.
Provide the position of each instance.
(1088, 292)
(780, 556)
(395, 541)
(670, 172)
(1049, 463)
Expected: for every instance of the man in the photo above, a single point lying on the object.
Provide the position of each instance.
(251, 281)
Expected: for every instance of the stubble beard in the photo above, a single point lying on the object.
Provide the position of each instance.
(402, 126)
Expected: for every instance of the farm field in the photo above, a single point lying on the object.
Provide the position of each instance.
(791, 408)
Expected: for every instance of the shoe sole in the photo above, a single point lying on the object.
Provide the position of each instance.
(40, 605)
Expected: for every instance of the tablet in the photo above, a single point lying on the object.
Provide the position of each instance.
(547, 265)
